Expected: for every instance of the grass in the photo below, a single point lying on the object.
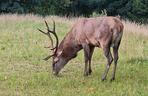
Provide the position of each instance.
(24, 73)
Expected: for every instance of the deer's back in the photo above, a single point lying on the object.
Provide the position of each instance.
(97, 31)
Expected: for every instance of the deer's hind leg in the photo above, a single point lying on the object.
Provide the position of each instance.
(115, 53)
(109, 57)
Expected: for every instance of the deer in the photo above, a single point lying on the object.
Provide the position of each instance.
(87, 33)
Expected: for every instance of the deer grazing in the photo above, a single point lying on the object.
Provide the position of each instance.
(87, 33)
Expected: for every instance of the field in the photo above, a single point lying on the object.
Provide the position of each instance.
(24, 73)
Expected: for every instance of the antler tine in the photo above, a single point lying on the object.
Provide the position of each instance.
(54, 33)
(48, 57)
(42, 32)
(53, 25)
(48, 34)
(47, 27)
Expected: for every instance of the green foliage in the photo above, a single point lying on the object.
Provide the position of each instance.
(96, 14)
(135, 10)
(58, 7)
(139, 11)
(13, 7)
(84, 7)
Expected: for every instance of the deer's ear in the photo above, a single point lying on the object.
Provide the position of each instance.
(60, 52)
(56, 59)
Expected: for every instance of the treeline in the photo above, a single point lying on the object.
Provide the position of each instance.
(135, 10)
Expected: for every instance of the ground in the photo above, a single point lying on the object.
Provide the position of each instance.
(24, 73)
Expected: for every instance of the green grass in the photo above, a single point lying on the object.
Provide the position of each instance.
(24, 73)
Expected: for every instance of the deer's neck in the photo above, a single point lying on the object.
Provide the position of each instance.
(70, 47)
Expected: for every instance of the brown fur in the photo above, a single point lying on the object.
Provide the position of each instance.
(88, 33)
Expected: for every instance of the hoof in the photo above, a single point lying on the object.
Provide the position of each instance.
(112, 79)
(90, 71)
(103, 78)
(87, 73)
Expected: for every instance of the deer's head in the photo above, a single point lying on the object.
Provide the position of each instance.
(58, 61)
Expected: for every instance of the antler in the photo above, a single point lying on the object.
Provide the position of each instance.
(48, 34)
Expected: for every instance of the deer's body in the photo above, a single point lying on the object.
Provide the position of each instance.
(97, 32)
(88, 33)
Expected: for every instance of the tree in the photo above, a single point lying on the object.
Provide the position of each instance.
(135, 10)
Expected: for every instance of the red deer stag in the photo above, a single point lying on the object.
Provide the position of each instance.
(87, 33)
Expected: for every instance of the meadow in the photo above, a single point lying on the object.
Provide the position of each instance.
(24, 73)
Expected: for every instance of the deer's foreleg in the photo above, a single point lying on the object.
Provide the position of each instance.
(86, 57)
(88, 51)
(91, 53)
